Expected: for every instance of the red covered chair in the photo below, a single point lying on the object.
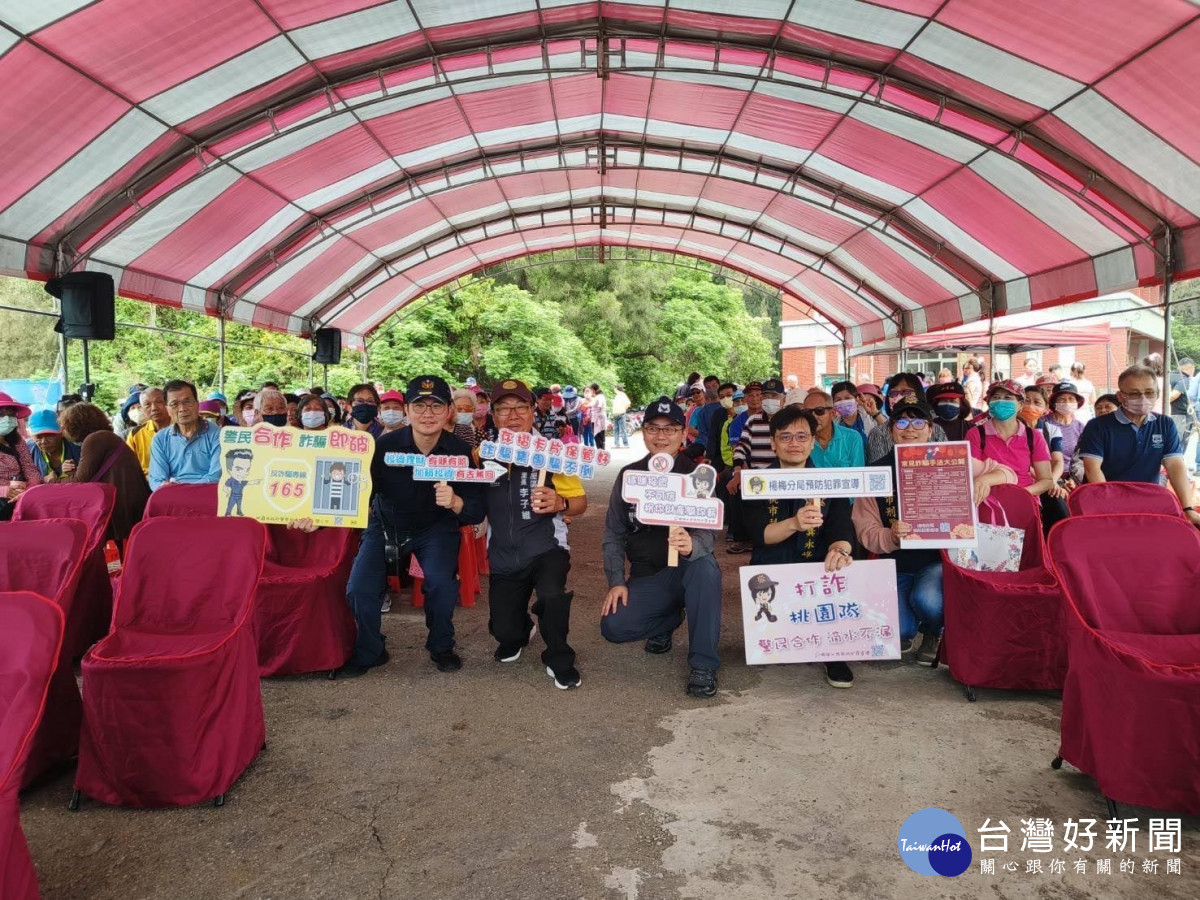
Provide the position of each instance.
(302, 621)
(468, 572)
(183, 500)
(301, 617)
(92, 504)
(172, 707)
(31, 631)
(1123, 497)
(45, 557)
(1131, 702)
(1004, 629)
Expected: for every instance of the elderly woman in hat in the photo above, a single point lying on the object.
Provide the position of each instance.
(54, 457)
(17, 469)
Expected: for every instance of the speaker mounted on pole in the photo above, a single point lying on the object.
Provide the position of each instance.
(327, 344)
(87, 301)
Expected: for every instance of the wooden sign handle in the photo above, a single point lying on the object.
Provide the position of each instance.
(541, 482)
(672, 557)
(817, 503)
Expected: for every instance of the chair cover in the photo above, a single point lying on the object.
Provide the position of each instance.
(45, 557)
(183, 500)
(1004, 629)
(1123, 496)
(31, 629)
(92, 504)
(302, 620)
(172, 708)
(1131, 702)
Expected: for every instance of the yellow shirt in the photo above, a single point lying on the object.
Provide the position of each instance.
(139, 442)
(567, 485)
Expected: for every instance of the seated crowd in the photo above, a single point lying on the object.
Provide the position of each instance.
(1036, 433)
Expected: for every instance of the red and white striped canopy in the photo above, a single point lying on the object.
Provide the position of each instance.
(900, 165)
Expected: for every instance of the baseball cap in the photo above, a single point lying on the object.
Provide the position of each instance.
(761, 582)
(44, 421)
(951, 390)
(1008, 384)
(910, 408)
(210, 408)
(512, 387)
(739, 395)
(753, 386)
(664, 408)
(1045, 380)
(772, 386)
(391, 395)
(427, 386)
(217, 395)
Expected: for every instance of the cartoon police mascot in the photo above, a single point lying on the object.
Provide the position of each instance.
(762, 590)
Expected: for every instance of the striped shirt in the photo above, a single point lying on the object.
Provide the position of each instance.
(754, 446)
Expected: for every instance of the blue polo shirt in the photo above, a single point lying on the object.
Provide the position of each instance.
(845, 451)
(1126, 451)
(187, 461)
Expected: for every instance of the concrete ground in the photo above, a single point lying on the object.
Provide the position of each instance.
(491, 783)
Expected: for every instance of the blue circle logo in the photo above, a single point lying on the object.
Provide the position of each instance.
(933, 842)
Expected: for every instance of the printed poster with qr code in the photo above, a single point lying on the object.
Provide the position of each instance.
(279, 475)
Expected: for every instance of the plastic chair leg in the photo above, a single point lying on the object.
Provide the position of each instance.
(970, 692)
(1056, 763)
(418, 596)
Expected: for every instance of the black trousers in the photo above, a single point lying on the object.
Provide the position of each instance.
(735, 524)
(509, 621)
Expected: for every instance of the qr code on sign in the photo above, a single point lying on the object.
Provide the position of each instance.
(876, 481)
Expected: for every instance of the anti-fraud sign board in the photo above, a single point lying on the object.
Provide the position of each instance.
(279, 475)
(443, 468)
(936, 495)
(781, 484)
(801, 613)
(662, 497)
(523, 448)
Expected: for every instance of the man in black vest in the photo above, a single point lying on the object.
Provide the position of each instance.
(650, 604)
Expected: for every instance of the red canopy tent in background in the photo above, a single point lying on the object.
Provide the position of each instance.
(1011, 339)
(900, 166)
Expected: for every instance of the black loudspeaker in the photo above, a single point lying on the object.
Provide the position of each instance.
(87, 300)
(328, 344)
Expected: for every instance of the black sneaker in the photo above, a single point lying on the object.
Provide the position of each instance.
(838, 675)
(702, 683)
(354, 670)
(660, 643)
(567, 680)
(446, 661)
(507, 655)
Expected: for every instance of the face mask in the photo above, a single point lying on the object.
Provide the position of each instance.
(364, 412)
(727, 402)
(7, 425)
(1138, 406)
(312, 418)
(1002, 410)
(770, 407)
(276, 419)
(948, 411)
(740, 408)
(463, 418)
(249, 417)
(1030, 415)
(391, 417)
(136, 415)
(845, 407)
(1066, 409)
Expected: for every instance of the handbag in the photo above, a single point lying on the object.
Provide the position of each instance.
(999, 548)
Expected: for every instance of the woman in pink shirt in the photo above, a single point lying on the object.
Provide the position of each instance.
(1005, 439)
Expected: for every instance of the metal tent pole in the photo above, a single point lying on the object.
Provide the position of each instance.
(992, 345)
(364, 361)
(1168, 281)
(310, 371)
(220, 352)
(87, 365)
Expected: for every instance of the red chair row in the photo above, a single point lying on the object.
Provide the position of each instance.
(301, 617)
(31, 634)
(469, 584)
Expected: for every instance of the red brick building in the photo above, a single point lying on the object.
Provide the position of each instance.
(814, 357)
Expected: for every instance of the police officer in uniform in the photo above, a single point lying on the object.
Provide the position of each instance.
(421, 516)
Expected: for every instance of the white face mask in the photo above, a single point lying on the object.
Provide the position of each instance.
(770, 407)
(7, 425)
(249, 416)
(136, 415)
(1066, 409)
(391, 417)
(312, 418)
(463, 418)
(727, 402)
(740, 408)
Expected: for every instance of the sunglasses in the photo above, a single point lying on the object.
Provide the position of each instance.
(821, 410)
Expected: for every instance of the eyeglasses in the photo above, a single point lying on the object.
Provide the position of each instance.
(820, 410)
(1151, 394)
(665, 430)
(919, 424)
(425, 409)
(512, 409)
(901, 392)
(799, 437)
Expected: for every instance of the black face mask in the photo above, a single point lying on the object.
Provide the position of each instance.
(364, 412)
(948, 411)
(277, 419)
